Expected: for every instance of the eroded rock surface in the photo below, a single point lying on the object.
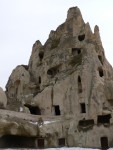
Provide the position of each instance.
(66, 89)
(3, 99)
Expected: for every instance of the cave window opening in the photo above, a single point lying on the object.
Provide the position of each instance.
(41, 55)
(101, 73)
(79, 51)
(40, 143)
(104, 119)
(57, 110)
(85, 123)
(83, 108)
(81, 37)
(79, 85)
(76, 51)
(50, 72)
(33, 109)
(61, 142)
(39, 79)
(53, 71)
(104, 143)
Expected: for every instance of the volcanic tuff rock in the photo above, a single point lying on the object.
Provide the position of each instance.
(64, 93)
(3, 99)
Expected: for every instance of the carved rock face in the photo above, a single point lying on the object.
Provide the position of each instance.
(68, 81)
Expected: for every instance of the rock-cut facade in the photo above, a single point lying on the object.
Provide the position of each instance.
(64, 96)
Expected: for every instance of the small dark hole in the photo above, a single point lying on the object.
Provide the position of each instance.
(79, 85)
(50, 72)
(83, 108)
(81, 37)
(101, 74)
(79, 51)
(39, 80)
(76, 51)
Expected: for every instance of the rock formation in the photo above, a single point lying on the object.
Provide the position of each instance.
(63, 97)
(3, 99)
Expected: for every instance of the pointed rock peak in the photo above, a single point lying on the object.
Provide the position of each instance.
(97, 35)
(73, 12)
(51, 35)
(37, 44)
(88, 28)
(96, 29)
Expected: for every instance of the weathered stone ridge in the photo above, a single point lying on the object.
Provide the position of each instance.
(3, 99)
(63, 97)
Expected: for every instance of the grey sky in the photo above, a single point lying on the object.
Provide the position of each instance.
(22, 22)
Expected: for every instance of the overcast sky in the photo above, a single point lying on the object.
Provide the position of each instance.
(22, 22)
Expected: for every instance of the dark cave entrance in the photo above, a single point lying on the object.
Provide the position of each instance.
(85, 123)
(83, 108)
(57, 110)
(104, 143)
(33, 109)
(61, 142)
(104, 119)
(40, 143)
(39, 79)
(81, 37)
(14, 141)
(101, 73)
